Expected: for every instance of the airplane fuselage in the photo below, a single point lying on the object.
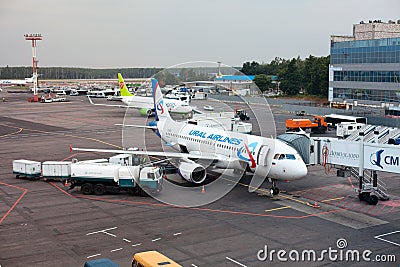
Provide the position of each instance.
(236, 147)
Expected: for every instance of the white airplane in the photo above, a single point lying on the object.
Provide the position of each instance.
(264, 157)
(146, 105)
(16, 82)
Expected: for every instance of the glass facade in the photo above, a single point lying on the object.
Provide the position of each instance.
(375, 62)
(367, 94)
(366, 51)
(367, 76)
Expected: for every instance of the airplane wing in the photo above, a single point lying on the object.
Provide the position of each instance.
(137, 126)
(184, 156)
(107, 105)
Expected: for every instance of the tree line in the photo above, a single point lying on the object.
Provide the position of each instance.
(293, 76)
(75, 73)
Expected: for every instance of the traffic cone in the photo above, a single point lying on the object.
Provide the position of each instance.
(202, 189)
(316, 206)
(66, 183)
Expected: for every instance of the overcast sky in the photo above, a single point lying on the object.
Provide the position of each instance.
(161, 33)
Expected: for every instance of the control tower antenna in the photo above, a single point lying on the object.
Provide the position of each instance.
(34, 37)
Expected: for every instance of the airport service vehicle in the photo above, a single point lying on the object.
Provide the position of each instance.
(99, 178)
(103, 262)
(207, 107)
(152, 259)
(345, 129)
(242, 114)
(219, 148)
(58, 170)
(317, 126)
(27, 168)
(334, 119)
(221, 121)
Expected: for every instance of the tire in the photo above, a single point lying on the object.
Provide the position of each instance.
(87, 189)
(99, 189)
(373, 200)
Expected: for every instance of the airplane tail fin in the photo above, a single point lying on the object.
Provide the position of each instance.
(160, 107)
(122, 87)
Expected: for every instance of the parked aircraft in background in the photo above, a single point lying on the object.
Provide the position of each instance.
(146, 105)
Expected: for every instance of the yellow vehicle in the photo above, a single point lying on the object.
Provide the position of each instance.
(152, 259)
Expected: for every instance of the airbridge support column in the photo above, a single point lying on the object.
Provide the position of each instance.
(361, 161)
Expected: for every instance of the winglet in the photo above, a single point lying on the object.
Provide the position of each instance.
(70, 149)
(122, 86)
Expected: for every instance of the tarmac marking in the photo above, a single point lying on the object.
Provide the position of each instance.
(206, 209)
(104, 231)
(193, 265)
(91, 256)
(13, 133)
(154, 240)
(177, 234)
(126, 240)
(281, 208)
(332, 199)
(16, 202)
(388, 241)
(234, 261)
(138, 244)
(117, 249)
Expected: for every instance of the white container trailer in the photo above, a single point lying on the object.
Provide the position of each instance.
(26, 168)
(56, 170)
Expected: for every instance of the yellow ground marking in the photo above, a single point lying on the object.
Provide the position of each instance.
(331, 199)
(281, 208)
(17, 132)
(69, 135)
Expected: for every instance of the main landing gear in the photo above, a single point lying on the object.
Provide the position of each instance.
(273, 191)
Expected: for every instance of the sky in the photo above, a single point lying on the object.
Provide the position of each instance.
(162, 33)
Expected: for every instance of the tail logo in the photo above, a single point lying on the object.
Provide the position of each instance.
(160, 107)
(246, 150)
(121, 85)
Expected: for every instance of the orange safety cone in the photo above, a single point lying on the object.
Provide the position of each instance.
(202, 189)
(66, 183)
(316, 206)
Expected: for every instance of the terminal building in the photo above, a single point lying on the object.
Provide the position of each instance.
(365, 67)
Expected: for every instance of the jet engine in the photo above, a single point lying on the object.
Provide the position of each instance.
(192, 172)
(146, 112)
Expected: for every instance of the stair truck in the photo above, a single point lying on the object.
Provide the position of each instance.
(99, 178)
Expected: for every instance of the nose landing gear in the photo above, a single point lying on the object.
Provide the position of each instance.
(273, 191)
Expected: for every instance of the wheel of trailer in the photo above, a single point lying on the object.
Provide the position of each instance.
(99, 189)
(363, 196)
(87, 189)
(372, 200)
(17, 176)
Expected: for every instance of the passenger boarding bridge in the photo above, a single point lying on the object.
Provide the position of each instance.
(361, 156)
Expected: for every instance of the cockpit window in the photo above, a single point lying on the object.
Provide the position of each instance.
(290, 156)
(282, 156)
(276, 156)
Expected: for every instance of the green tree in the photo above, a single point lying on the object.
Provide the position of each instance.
(263, 82)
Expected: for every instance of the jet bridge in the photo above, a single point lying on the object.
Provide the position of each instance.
(360, 157)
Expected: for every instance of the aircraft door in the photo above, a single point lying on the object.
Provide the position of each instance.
(262, 156)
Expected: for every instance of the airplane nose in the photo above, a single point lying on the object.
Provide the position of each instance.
(302, 171)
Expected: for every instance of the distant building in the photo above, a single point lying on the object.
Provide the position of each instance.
(365, 67)
(238, 84)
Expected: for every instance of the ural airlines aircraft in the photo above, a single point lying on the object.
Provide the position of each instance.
(264, 157)
(146, 105)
